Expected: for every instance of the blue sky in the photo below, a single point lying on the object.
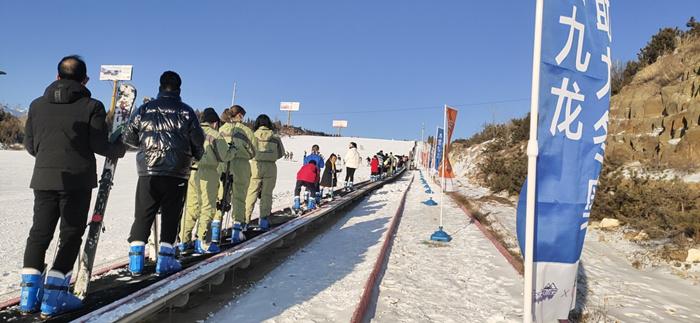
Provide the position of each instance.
(352, 60)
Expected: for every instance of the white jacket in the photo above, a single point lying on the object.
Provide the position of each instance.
(352, 158)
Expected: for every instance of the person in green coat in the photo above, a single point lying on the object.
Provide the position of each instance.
(239, 166)
(264, 170)
(203, 187)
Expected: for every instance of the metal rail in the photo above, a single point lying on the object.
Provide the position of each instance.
(175, 289)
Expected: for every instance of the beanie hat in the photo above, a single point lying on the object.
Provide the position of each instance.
(210, 116)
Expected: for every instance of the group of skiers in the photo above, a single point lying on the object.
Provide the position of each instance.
(382, 165)
(183, 162)
(317, 185)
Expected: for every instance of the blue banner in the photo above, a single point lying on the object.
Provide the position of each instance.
(574, 97)
(440, 141)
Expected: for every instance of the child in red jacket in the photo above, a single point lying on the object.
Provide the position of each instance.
(374, 168)
(307, 177)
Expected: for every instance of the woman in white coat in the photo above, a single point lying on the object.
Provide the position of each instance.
(352, 162)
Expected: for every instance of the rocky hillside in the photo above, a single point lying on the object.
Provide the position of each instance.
(656, 118)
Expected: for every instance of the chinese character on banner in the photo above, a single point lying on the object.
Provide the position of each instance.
(574, 98)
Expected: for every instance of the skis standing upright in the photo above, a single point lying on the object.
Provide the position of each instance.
(122, 111)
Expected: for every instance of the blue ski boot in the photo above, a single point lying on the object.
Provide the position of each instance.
(237, 236)
(264, 224)
(318, 198)
(57, 299)
(297, 203)
(184, 247)
(310, 204)
(215, 231)
(32, 290)
(167, 264)
(201, 247)
(136, 257)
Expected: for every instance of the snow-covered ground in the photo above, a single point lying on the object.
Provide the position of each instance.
(466, 280)
(17, 199)
(610, 288)
(323, 281)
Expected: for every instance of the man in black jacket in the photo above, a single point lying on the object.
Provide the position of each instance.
(65, 129)
(168, 135)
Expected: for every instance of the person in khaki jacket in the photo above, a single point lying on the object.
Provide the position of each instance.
(203, 187)
(239, 165)
(264, 170)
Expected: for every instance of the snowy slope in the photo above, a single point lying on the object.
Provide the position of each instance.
(17, 199)
(465, 280)
(323, 281)
(610, 288)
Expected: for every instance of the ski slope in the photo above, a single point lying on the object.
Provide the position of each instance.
(466, 280)
(17, 199)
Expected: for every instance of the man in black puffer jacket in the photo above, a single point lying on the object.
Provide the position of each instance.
(168, 135)
(65, 129)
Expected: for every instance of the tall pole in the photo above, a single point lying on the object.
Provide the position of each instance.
(289, 118)
(442, 185)
(233, 96)
(532, 152)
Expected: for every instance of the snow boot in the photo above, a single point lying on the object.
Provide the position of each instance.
(57, 299)
(237, 236)
(318, 198)
(310, 204)
(167, 264)
(32, 290)
(136, 257)
(350, 188)
(264, 224)
(297, 203)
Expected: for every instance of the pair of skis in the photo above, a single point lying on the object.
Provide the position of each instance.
(126, 98)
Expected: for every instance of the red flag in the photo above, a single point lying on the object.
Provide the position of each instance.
(451, 116)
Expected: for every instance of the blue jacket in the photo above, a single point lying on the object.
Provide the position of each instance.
(315, 157)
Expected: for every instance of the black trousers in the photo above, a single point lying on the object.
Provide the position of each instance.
(350, 175)
(72, 208)
(312, 188)
(154, 193)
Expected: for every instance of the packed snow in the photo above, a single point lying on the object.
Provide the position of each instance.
(17, 198)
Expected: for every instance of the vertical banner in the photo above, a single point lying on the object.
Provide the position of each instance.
(439, 141)
(451, 115)
(574, 97)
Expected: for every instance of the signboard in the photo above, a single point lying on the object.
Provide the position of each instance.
(115, 72)
(289, 106)
(438, 148)
(340, 123)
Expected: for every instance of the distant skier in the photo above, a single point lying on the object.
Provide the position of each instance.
(330, 176)
(239, 166)
(264, 170)
(318, 158)
(203, 189)
(352, 163)
(168, 135)
(307, 177)
(65, 128)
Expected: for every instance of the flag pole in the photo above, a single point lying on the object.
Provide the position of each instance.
(532, 152)
(444, 139)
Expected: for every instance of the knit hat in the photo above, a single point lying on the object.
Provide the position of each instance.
(210, 116)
